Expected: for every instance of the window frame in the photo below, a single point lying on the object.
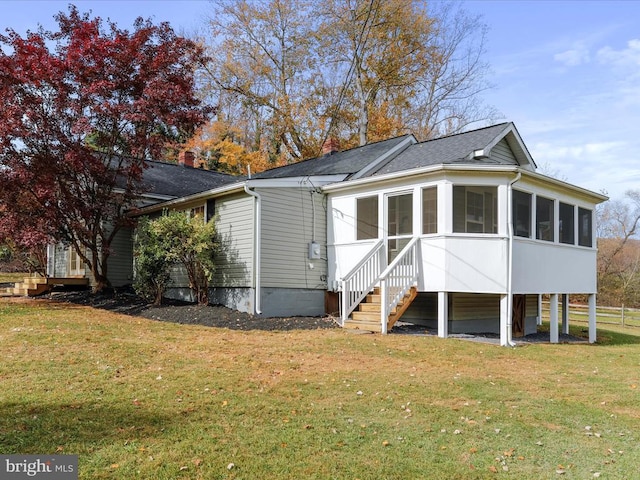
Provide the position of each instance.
(366, 233)
(551, 228)
(585, 239)
(566, 235)
(429, 210)
(489, 212)
(521, 202)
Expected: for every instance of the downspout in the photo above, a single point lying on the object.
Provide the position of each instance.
(510, 262)
(256, 250)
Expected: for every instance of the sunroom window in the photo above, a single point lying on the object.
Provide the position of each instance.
(521, 214)
(474, 209)
(544, 219)
(566, 224)
(367, 218)
(430, 210)
(585, 232)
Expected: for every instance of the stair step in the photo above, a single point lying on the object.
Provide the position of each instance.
(367, 326)
(366, 316)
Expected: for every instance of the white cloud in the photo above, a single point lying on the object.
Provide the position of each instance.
(628, 57)
(574, 57)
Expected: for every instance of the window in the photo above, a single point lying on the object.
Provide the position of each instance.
(430, 210)
(566, 224)
(475, 209)
(585, 231)
(400, 215)
(366, 218)
(197, 211)
(521, 214)
(544, 219)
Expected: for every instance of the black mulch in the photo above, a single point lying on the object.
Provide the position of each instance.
(188, 313)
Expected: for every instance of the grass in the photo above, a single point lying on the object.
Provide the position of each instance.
(141, 399)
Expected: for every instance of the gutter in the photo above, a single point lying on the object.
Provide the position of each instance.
(509, 342)
(257, 247)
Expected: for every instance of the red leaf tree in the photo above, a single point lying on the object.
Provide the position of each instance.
(82, 110)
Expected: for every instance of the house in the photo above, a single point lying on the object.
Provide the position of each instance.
(458, 233)
(163, 182)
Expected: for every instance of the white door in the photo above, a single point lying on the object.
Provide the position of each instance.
(76, 266)
(399, 213)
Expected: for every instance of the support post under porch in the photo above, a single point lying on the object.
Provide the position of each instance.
(592, 318)
(443, 314)
(553, 318)
(565, 313)
(505, 321)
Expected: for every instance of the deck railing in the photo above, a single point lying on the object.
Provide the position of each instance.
(397, 279)
(361, 279)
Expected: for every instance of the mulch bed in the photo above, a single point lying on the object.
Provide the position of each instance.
(188, 313)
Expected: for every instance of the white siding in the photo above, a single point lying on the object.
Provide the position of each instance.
(234, 222)
(545, 267)
(289, 223)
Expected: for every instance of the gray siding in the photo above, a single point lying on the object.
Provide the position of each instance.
(502, 153)
(288, 223)
(234, 221)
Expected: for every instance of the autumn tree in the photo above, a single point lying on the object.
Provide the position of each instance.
(618, 223)
(263, 61)
(82, 110)
(291, 73)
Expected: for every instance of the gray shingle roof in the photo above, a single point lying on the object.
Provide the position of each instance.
(446, 150)
(177, 181)
(346, 162)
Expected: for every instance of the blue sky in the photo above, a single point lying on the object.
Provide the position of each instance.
(566, 72)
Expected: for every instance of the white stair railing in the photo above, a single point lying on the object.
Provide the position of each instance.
(397, 279)
(361, 279)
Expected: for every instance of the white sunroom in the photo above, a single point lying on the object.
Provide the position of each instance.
(477, 243)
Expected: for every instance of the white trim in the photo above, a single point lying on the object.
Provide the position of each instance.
(175, 202)
(348, 184)
(300, 181)
(257, 251)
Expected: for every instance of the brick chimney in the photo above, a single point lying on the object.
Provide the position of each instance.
(330, 145)
(186, 158)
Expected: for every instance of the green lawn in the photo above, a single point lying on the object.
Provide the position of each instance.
(141, 399)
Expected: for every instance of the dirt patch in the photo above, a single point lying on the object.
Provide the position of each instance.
(188, 313)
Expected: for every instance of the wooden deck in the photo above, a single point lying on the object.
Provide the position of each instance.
(34, 286)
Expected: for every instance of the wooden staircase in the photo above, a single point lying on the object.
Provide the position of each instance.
(34, 286)
(367, 316)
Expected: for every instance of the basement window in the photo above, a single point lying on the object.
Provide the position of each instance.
(367, 218)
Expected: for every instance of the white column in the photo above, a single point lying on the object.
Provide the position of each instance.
(505, 334)
(565, 313)
(443, 314)
(592, 318)
(553, 318)
(539, 318)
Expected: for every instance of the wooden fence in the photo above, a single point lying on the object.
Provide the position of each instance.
(623, 317)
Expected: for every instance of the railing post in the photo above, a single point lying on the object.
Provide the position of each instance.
(344, 303)
(384, 306)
